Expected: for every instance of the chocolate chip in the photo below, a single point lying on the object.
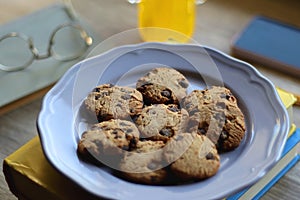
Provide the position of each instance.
(152, 166)
(132, 110)
(192, 125)
(228, 96)
(210, 156)
(104, 94)
(153, 112)
(183, 83)
(223, 96)
(99, 118)
(126, 96)
(179, 137)
(187, 106)
(207, 97)
(123, 124)
(119, 105)
(192, 112)
(166, 132)
(166, 93)
(134, 118)
(115, 132)
(96, 89)
(133, 142)
(146, 84)
(129, 130)
(201, 131)
(117, 136)
(221, 105)
(173, 108)
(224, 135)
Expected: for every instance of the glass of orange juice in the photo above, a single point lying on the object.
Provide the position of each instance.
(166, 20)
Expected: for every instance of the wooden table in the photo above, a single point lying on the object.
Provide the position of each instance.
(217, 22)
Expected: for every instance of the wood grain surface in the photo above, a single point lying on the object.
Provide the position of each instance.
(217, 23)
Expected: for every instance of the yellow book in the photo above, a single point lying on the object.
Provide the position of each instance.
(288, 100)
(30, 176)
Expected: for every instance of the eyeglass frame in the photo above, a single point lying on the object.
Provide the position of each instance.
(50, 53)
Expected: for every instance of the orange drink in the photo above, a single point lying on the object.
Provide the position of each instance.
(166, 20)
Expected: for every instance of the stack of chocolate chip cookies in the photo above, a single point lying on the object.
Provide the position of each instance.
(157, 133)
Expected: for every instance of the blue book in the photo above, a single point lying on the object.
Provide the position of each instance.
(263, 42)
(290, 157)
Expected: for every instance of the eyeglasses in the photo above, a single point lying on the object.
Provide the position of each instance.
(67, 42)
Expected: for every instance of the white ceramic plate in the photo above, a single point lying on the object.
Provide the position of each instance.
(62, 118)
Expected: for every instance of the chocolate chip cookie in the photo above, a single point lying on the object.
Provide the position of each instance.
(162, 86)
(161, 122)
(215, 113)
(114, 102)
(145, 164)
(111, 137)
(192, 156)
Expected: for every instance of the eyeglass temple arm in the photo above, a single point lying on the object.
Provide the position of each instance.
(74, 17)
(70, 10)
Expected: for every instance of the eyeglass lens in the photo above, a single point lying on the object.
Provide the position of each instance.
(15, 52)
(68, 43)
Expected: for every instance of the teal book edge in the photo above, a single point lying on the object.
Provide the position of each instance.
(293, 140)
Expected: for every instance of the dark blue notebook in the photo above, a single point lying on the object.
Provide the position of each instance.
(270, 43)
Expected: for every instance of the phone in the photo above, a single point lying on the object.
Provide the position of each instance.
(271, 43)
